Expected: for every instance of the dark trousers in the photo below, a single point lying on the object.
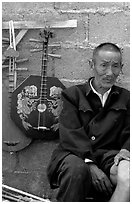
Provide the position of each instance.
(74, 180)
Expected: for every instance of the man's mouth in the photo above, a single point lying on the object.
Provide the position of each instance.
(108, 80)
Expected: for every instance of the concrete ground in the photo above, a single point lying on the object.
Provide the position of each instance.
(26, 169)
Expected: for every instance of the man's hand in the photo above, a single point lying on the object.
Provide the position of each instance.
(123, 154)
(99, 179)
(113, 174)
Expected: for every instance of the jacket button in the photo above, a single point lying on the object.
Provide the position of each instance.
(93, 138)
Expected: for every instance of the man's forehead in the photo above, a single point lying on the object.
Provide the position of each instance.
(108, 54)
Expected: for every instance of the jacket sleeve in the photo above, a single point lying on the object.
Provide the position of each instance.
(125, 134)
(72, 134)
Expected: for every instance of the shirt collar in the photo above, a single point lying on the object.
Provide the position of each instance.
(93, 89)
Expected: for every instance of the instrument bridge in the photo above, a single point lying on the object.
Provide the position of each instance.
(41, 128)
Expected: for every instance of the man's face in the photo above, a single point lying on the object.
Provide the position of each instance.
(107, 66)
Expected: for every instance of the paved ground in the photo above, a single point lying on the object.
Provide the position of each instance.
(26, 170)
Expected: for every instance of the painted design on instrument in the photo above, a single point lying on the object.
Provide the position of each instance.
(26, 103)
(55, 105)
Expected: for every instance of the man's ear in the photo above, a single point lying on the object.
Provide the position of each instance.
(91, 64)
(122, 68)
(122, 65)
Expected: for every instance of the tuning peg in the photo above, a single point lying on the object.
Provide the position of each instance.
(55, 45)
(35, 40)
(40, 41)
(51, 46)
(54, 55)
(35, 50)
(21, 69)
(50, 55)
(22, 60)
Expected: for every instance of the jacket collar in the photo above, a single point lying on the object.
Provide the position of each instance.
(84, 104)
(114, 89)
(88, 87)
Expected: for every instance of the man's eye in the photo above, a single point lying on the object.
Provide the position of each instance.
(115, 66)
(103, 65)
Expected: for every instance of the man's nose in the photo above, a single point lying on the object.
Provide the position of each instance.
(109, 71)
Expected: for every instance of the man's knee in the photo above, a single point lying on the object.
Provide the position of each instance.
(75, 167)
(73, 180)
(123, 176)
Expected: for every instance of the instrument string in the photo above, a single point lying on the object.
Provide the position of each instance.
(43, 87)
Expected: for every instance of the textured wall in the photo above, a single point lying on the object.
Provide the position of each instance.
(97, 23)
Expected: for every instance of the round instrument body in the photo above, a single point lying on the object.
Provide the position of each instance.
(41, 107)
(37, 118)
(13, 139)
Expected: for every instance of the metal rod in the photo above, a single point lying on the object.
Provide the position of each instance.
(23, 193)
(11, 198)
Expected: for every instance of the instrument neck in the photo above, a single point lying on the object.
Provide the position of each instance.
(12, 76)
(43, 88)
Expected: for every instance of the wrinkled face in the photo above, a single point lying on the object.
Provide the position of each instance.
(107, 66)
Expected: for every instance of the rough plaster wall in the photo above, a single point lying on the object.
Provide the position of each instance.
(97, 22)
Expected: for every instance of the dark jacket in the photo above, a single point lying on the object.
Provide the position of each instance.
(87, 129)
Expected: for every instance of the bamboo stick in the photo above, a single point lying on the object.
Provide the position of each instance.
(23, 193)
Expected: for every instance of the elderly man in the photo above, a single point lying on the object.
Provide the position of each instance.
(92, 159)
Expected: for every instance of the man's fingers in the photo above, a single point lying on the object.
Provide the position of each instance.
(98, 186)
(119, 158)
(116, 160)
(126, 158)
(108, 187)
(102, 186)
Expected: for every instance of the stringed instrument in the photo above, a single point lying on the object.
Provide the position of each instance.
(36, 103)
(13, 139)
